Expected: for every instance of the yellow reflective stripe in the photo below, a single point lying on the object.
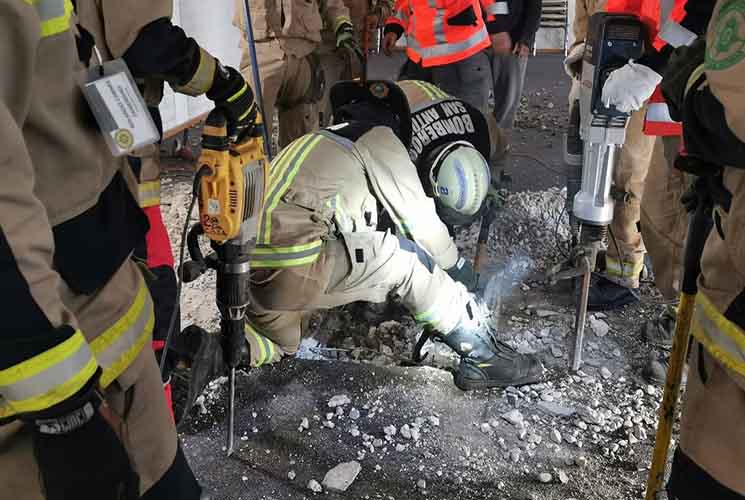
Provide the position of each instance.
(203, 77)
(291, 249)
(54, 15)
(149, 194)
(118, 346)
(615, 267)
(425, 89)
(283, 263)
(262, 351)
(695, 75)
(722, 338)
(427, 318)
(341, 20)
(280, 179)
(47, 378)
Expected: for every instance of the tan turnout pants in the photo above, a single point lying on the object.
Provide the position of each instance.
(285, 83)
(362, 267)
(663, 219)
(625, 257)
(136, 396)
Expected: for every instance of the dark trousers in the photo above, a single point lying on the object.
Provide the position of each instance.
(508, 77)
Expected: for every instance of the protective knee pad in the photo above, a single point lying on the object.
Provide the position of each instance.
(177, 482)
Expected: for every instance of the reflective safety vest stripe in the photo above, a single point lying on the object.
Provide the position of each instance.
(48, 378)
(54, 375)
(721, 337)
(657, 120)
(54, 15)
(149, 193)
(432, 41)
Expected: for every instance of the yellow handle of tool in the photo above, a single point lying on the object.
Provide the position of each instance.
(670, 396)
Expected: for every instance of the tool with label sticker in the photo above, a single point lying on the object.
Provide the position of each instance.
(230, 186)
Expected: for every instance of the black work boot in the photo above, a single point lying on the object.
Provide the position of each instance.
(660, 331)
(488, 362)
(655, 371)
(203, 352)
(606, 295)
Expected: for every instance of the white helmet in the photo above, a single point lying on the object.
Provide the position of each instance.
(460, 178)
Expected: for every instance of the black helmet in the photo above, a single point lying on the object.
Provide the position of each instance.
(376, 100)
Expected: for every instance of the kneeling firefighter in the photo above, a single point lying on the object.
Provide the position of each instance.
(319, 245)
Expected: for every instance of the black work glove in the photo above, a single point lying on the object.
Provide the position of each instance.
(683, 61)
(345, 39)
(78, 450)
(232, 94)
(463, 272)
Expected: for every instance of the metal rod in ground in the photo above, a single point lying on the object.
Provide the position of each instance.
(257, 78)
(581, 317)
(231, 413)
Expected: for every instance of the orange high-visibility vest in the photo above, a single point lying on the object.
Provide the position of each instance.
(436, 32)
(657, 120)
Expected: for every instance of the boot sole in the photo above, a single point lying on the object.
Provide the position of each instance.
(467, 384)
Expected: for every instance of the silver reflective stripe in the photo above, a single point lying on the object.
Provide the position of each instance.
(269, 253)
(658, 112)
(706, 330)
(675, 34)
(498, 9)
(50, 9)
(126, 339)
(341, 141)
(49, 379)
(447, 49)
(438, 24)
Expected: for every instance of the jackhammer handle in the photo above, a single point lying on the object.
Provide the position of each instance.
(233, 341)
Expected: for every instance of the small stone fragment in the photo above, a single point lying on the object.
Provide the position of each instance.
(354, 414)
(514, 417)
(314, 486)
(556, 436)
(556, 409)
(485, 428)
(515, 454)
(355, 432)
(605, 372)
(378, 443)
(291, 475)
(329, 424)
(580, 461)
(545, 477)
(405, 431)
(563, 477)
(599, 327)
(304, 424)
(342, 476)
(400, 447)
(339, 400)
(435, 421)
(390, 430)
(421, 484)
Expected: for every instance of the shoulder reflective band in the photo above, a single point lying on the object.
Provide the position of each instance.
(54, 15)
(48, 378)
(721, 337)
(149, 194)
(282, 171)
(118, 346)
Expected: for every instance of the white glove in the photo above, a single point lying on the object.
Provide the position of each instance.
(628, 87)
(572, 63)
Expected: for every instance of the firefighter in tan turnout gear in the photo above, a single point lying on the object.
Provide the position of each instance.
(82, 410)
(288, 38)
(705, 89)
(320, 246)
